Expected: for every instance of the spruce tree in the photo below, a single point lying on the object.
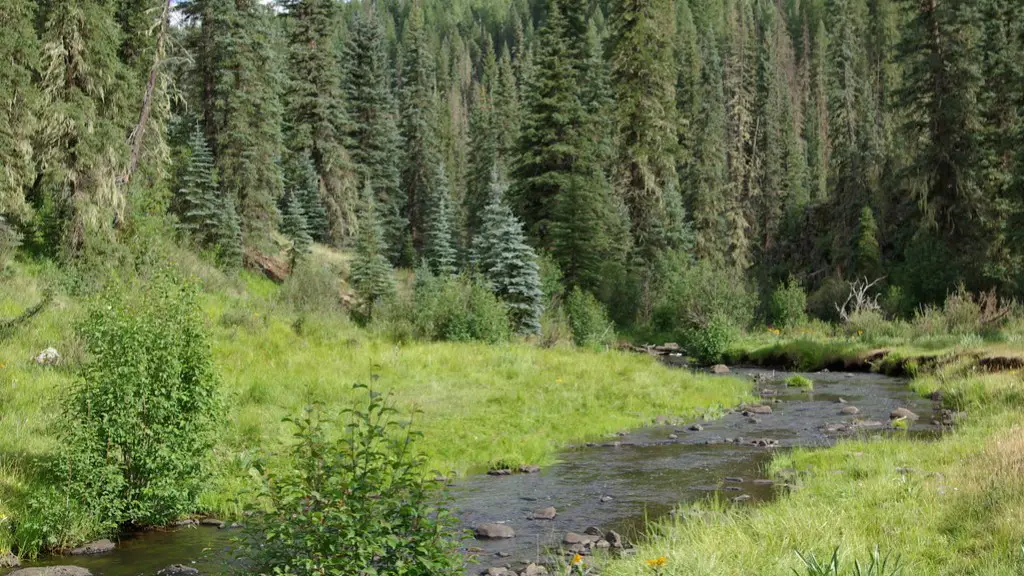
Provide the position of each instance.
(418, 125)
(86, 122)
(482, 154)
(228, 243)
(869, 255)
(301, 175)
(20, 104)
(375, 138)
(294, 226)
(501, 254)
(371, 273)
(198, 203)
(507, 108)
(439, 243)
(644, 80)
(316, 117)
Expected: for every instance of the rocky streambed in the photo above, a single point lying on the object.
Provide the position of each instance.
(600, 495)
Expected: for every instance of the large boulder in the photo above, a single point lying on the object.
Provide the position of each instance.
(720, 369)
(849, 411)
(760, 409)
(535, 570)
(494, 531)
(48, 357)
(52, 571)
(8, 560)
(97, 547)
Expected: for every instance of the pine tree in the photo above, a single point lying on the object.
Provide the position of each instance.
(301, 175)
(439, 243)
(816, 118)
(294, 226)
(228, 243)
(418, 125)
(86, 122)
(317, 119)
(20, 104)
(501, 254)
(688, 68)
(507, 108)
(644, 80)
(198, 200)
(707, 197)
(869, 255)
(371, 274)
(375, 138)
(550, 142)
(482, 154)
(743, 192)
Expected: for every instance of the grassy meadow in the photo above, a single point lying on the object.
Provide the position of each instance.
(476, 404)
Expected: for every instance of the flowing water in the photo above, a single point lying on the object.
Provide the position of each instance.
(616, 484)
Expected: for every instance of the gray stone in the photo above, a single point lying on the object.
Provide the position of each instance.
(606, 498)
(673, 436)
(212, 522)
(534, 570)
(178, 570)
(849, 411)
(500, 472)
(183, 523)
(902, 413)
(48, 357)
(614, 539)
(548, 513)
(602, 543)
(52, 571)
(762, 410)
(741, 498)
(841, 401)
(572, 538)
(499, 571)
(734, 479)
(8, 560)
(97, 547)
(695, 428)
(494, 531)
(594, 531)
(720, 369)
(529, 469)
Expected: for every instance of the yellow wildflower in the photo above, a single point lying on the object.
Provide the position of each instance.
(657, 562)
(576, 560)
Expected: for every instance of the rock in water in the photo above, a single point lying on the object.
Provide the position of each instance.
(849, 411)
(178, 570)
(614, 539)
(902, 413)
(720, 369)
(216, 523)
(52, 571)
(499, 571)
(535, 570)
(529, 469)
(493, 531)
(9, 560)
(97, 547)
(48, 357)
(548, 513)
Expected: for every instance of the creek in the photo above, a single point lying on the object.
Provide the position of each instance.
(619, 483)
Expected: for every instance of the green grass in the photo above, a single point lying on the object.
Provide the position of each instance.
(798, 381)
(476, 404)
(954, 506)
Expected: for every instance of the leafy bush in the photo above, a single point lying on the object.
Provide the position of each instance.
(789, 304)
(137, 432)
(358, 505)
(822, 302)
(452, 308)
(312, 288)
(962, 313)
(588, 319)
(710, 343)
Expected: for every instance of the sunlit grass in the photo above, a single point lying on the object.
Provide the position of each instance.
(949, 507)
(476, 404)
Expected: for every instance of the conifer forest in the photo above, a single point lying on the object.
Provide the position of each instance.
(525, 226)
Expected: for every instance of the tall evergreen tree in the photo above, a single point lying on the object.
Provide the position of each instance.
(294, 226)
(316, 116)
(501, 254)
(507, 107)
(644, 80)
(198, 202)
(301, 175)
(375, 138)
(20, 104)
(439, 242)
(86, 121)
(869, 255)
(418, 125)
(482, 154)
(371, 273)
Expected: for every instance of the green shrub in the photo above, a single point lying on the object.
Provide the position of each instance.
(789, 305)
(312, 288)
(449, 308)
(689, 298)
(868, 323)
(588, 319)
(136, 434)
(358, 505)
(962, 312)
(895, 303)
(10, 240)
(822, 302)
(708, 344)
(798, 381)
